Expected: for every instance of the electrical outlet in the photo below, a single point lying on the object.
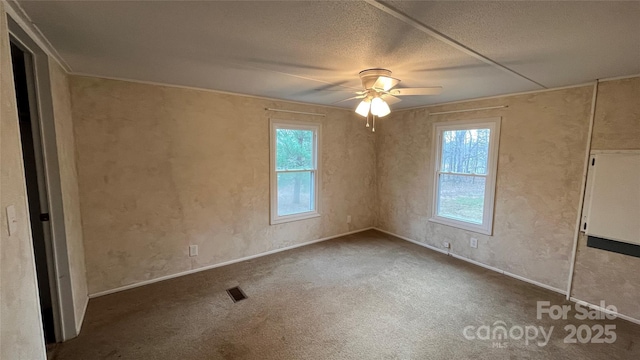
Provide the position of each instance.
(193, 250)
(446, 245)
(348, 219)
(473, 242)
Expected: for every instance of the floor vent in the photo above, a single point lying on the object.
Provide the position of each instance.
(236, 294)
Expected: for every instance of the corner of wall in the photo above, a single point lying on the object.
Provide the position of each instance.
(65, 141)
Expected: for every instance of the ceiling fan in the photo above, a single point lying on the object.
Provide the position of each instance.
(379, 93)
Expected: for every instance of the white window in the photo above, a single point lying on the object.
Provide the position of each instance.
(295, 176)
(465, 162)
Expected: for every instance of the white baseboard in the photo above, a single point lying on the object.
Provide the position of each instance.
(82, 314)
(521, 278)
(413, 241)
(537, 283)
(606, 311)
(193, 271)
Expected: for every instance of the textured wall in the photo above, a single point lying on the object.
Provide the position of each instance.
(603, 275)
(617, 122)
(161, 168)
(21, 334)
(69, 186)
(543, 137)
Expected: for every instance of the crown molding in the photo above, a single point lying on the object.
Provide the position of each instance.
(624, 77)
(17, 13)
(186, 87)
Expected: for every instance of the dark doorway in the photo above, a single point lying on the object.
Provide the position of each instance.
(34, 176)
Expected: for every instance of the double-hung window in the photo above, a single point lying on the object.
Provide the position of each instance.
(295, 177)
(465, 164)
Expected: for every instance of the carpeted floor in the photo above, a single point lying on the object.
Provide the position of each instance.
(363, 296)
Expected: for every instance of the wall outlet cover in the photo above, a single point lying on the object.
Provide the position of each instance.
(193, 250)
(446, 244)
(348, 219)
(473, 242)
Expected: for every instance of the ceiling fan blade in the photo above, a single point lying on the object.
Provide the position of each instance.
(340, 90)
(390, 99)
(385, 83)
(436, 90)
(351, 98)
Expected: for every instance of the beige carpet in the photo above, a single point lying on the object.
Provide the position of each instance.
(364, 296)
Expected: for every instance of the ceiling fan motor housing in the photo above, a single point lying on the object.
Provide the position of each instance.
(370, 76)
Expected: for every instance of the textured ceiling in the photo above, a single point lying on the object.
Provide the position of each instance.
(305, 50)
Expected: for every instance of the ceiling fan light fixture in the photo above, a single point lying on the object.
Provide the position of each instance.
(379, 107)
(386, 83)
(378, 91)
(363, 107)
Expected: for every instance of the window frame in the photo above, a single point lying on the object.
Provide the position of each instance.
(490, 178)
(275, 124)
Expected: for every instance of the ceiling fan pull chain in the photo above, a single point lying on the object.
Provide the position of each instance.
(373, 126)
(367, 120)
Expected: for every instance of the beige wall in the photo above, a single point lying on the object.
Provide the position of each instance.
(21, 334)
(163, 167)
(617, 122)
(541, 156)
(603, 275)
(69, 186)
(149, 186)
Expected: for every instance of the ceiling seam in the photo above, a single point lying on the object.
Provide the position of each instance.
(446, 39)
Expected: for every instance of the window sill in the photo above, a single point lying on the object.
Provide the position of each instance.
(462, 225)
(295, 217)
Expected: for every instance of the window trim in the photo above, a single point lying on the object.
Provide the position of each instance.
(275, 124)
(492, 169)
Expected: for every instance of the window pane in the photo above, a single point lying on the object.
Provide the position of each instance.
(294, 149)
(465, 151)
(295, 193)
(461, 197)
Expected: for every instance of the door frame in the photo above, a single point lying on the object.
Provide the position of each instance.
(55, 232)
